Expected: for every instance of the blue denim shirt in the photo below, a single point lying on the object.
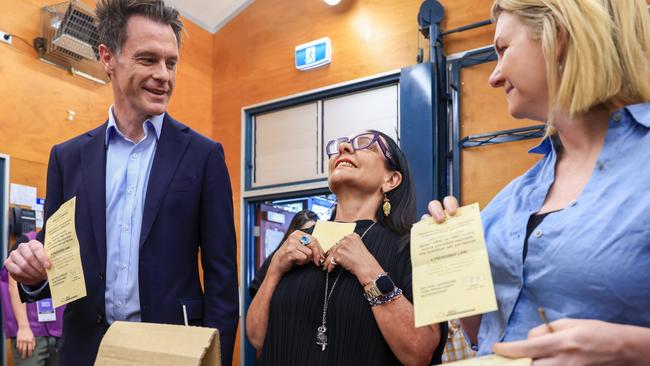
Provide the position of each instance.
(128, 165)
(590, 260)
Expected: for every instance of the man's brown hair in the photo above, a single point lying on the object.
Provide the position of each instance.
(113, 16)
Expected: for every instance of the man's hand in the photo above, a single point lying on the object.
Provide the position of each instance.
(28, 262)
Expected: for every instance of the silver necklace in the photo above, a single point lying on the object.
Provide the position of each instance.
(321, 332)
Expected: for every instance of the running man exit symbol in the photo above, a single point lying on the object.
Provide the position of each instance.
(310, 55)
(313, 54)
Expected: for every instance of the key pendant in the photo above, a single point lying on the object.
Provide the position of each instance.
(321, 337)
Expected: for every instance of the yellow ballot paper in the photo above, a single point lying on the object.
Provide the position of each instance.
(493, 360)
(66, 276)
(451, 271)
(329, 232)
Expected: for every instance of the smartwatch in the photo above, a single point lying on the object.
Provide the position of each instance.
(381, 286)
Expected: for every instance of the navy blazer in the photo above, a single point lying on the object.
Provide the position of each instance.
(188, 207)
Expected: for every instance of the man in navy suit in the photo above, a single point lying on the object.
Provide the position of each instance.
(151, 195)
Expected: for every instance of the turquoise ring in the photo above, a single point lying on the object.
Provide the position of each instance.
(305, 240)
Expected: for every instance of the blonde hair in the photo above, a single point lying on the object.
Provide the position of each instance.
(597, 52)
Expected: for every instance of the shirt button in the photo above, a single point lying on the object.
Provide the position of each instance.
(539, 233)
(125, 227)
(119, 304)
(100, 319)
(617, 117)
(123, 266)
(101, 275)
(134, 156)
(129, 191)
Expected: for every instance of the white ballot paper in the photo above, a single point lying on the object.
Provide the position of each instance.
(65, 275)
(451, 270)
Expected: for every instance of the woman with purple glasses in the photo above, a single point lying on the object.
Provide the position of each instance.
(353, 304)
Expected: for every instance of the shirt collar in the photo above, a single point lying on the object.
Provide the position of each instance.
(640, 114)
(543, 148)
(155, 121)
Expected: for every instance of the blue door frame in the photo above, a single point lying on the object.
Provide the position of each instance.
(4, 234)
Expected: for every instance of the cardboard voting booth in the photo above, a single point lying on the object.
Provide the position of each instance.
(129, 343)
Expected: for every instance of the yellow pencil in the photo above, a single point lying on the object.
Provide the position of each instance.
(542, 315)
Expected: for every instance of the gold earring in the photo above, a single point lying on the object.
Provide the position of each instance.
(386, 206)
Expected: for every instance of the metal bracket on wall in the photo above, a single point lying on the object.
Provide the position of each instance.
(456, 64)
(445, 94)
(468, 59)
(429, 17)
(499, 137)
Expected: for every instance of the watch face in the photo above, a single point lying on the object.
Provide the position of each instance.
(385, 284)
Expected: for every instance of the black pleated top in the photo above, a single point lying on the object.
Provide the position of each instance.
(353, 335)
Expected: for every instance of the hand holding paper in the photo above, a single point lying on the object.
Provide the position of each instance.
(27, 263)
(451, 270)
(329, 232)
(65, 275)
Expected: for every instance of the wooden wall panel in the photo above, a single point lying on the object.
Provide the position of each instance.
(486, 170)
(483, 108)
(192, 99)
(28, 173)
(463, 12)
(253, 53)
(35, 97)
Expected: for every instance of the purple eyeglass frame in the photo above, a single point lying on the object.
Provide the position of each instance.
(375, 138)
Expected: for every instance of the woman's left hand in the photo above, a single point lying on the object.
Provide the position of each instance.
(351, 253)
(573, 342)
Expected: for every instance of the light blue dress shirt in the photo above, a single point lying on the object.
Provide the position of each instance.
(591, 259)
(128, 165)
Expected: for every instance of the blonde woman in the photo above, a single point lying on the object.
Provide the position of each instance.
(572, 235)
